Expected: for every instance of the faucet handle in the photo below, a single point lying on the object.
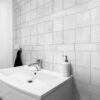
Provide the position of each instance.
(39, 61)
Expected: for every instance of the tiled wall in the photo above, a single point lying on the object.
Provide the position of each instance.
(51, 29)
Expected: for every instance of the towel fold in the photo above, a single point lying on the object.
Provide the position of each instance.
(18, 60)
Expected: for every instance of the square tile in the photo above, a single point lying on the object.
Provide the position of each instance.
(41, 40)
(68, 3)
(58, 24)
(66, 47)
(40, 28)
(86, 47)
(69, 22)
(95, 16)
(40, 2)
(57, 5)
(95, 74)
(58, 37)
(48, 38)
(83, 59)
(48, 27)
(95, 60)
(40, 11)
(82, 75)
(57, 67)
(33, 14)
(49, 56)
(48, 8)
(83, 35)
(83, 19)
(33, 4)
(95, 33)
(33, 29)
(69, 36)
(34, 40)
(58, 57)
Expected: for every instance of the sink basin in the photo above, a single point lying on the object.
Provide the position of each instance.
(38, 86)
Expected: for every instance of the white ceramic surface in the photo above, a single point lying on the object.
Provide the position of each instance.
(43, 82)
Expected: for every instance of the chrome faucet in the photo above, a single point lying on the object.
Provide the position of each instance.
(37, 64)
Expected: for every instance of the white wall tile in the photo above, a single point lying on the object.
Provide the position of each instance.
(95, 97)
(68, 47)
(95, 60)
(48, 8)
(27, 30)
(82, 75)
(28, 56)
(41, 55)
(37, 48)
(83, 59)
(40, 2)
(58, 24)
(83, 19)
(23, 18)
(27, 40)
(48, 38)
(86, 47)
(58, 57)
(83, 35)
(34, 40)
(94, 90)
(41, 40)
(57, 5)
(23, 41)
(18, 21)
(69, 36)
(40, 28)
(95, 33)
(95, 74)
(50, 47)
(34, 54)
(48, 27)
(81, 1)
(47, 1)
(33, 4)
(95, 16)
(83, 67)
(58, 37)
(33, 14)
(69, 22)
(40, 11)
(94, 3)
(48, 66)
(33, 29)
(81, 92)
(49, 56)
(57, 67)
(68, 3)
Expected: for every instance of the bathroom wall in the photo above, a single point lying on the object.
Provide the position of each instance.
(51, 29)
(6, 36)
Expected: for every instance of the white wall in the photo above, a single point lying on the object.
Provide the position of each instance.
(5, 33)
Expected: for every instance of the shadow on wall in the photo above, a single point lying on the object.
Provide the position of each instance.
(76, 94)
(71, 70)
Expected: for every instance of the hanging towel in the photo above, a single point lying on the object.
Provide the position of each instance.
(18, 60)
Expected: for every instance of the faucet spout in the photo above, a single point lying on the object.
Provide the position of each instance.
(37, 64)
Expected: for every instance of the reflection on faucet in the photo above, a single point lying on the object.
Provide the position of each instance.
(37, 64)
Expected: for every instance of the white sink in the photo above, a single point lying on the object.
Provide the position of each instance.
(39, 85)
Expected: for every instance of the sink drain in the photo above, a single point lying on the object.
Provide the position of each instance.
(30, 81)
